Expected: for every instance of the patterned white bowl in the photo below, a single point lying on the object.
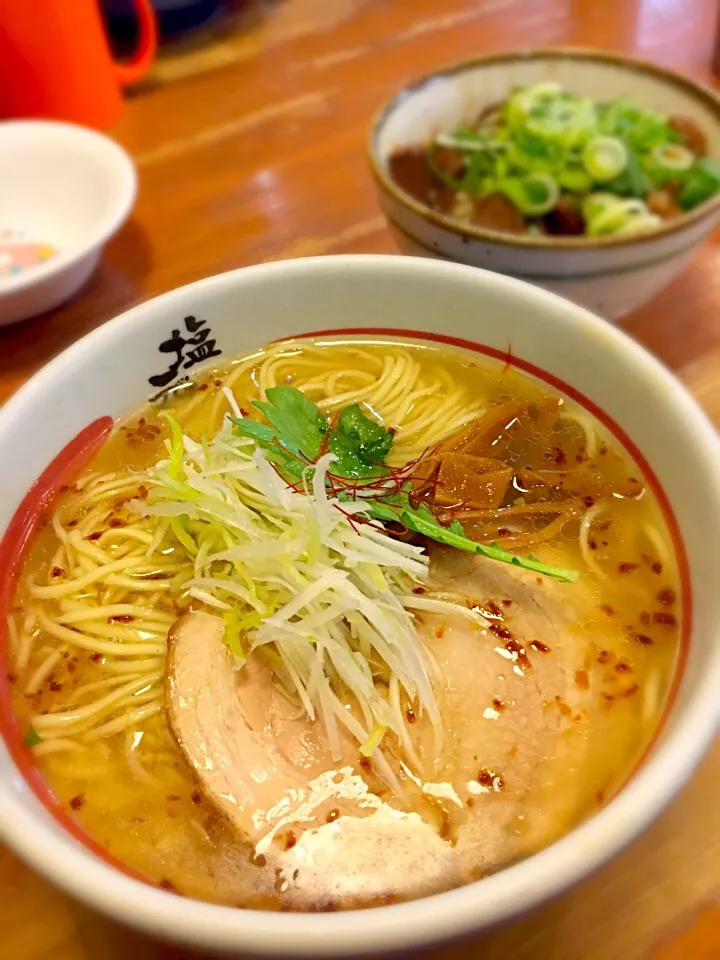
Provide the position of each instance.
(611, 276)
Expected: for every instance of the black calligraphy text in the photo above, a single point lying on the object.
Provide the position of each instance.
(189, 349)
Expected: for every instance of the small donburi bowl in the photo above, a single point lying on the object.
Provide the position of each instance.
(609, 275)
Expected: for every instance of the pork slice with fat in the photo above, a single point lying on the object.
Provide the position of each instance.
(270, 772)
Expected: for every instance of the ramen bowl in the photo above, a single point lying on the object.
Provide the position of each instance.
(609, 275)
(59, 417)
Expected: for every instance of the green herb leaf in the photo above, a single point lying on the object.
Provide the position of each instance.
(288, 459)
(701, 183)
(32, 738)
(295, 435)
(360, 444)
(298, 423)
(423, 521)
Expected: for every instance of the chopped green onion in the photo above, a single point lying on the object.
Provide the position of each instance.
(544, 90)
(544, 141)
(671, 156)
(639, 224)
(598, 203)
(568, 123)
(32, 737)
(177, 449)
(637, 178)
(518, 108)
(615, 217)
(534, 196)
(700, 183)
(574, 179)
(445, 140)
(605, 158)
(373, 741)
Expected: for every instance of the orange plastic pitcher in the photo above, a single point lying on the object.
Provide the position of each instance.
(55, 61)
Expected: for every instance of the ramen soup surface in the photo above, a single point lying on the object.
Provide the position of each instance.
(505, 705)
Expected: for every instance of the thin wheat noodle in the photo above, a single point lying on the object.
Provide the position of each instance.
(402, 379)
(145, 586)
(651, 697)
(55, 745)
(125, 720)
(24, 650)
(85, 481)
(112, 486)
(401, 376)
(586, 426)
(350, 396)
(124, 633)
(89, 550)
(72, 586)
(517, 510)
(40, 674)
(67, 719)
(85, 642)
(130, 666)
(115, 610)
(221, 399)
(658, 542)
(107, 684)
(586, 523)
(13, 636)
(531, 537)
(60, 558)
(136, 768)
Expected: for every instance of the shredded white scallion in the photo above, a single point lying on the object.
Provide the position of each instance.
(303, 577)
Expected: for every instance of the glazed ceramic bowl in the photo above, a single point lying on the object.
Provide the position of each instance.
(609, 275)
(66, 407)
(64, 191)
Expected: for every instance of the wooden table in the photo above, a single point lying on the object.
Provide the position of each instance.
(256, 152)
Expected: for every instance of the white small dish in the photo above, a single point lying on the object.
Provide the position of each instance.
(609, 275)
(64, 187)
(116, 367)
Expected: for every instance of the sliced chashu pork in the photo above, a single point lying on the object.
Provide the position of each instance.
(245, 742)
(515, 720)
(507, 703)
(271, 774)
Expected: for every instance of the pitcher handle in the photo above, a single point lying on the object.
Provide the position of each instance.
(138, 65)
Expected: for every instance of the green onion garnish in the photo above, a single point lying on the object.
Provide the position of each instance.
(605, 158)
(671, 156)
(534, 196)
(543, 143)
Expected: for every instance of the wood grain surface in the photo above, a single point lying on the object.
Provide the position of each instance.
(252, 149)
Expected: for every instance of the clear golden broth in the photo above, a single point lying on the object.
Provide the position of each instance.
(158, 824)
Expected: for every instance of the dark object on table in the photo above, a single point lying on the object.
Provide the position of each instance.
(174, 17)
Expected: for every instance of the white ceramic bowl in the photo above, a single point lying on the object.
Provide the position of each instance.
(107, 373)
(64, 186)
(611, 276)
